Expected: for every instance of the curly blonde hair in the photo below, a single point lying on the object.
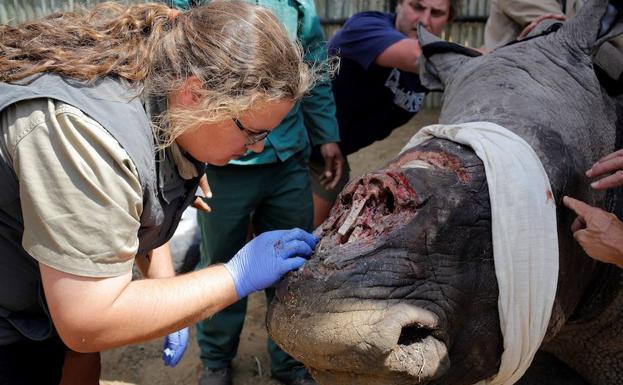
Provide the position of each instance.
(240, 53)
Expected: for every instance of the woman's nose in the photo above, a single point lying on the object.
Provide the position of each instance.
(257, 147)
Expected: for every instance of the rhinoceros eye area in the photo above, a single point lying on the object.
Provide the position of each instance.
(369, 208)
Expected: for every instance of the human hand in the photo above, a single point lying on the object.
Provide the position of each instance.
(333, 164)
(598, 232)
(267, 257)
(199, 203)
(532, 25)
(174, 347)
(610, 163)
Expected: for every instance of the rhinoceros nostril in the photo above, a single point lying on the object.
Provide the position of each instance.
(390, 202)
(412, 333)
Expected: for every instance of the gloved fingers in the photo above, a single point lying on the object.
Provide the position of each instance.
(174, 347)
(301, 235)
(183, 335)
(292, 264)
(167, 356)
(296, 248)
(178, 338)
(172, 357)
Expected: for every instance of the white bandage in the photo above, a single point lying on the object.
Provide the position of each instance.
(525, 237)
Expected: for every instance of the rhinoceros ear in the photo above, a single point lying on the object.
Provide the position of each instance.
(440, 59)
(596, 22)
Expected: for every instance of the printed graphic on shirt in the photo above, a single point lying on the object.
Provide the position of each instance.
(406, 99)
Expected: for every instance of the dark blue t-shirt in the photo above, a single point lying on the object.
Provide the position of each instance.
(371, 100)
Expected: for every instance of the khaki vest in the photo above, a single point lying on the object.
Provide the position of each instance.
(117, 107)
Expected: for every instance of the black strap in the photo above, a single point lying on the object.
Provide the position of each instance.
(552, 28)
(442, 46)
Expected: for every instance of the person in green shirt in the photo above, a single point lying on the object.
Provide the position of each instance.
(266, 191)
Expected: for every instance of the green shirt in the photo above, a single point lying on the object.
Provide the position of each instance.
(313, 118)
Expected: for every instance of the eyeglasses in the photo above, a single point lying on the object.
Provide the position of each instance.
(252, 137)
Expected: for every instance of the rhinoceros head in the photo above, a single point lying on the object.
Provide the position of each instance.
(403, 272)
(402, 287)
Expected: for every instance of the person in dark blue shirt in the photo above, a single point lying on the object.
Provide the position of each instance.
(377, 87)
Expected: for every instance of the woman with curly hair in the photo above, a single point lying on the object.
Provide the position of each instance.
(107, 120)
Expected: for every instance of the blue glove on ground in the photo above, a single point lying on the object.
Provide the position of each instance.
(174, 347)
(261, 262)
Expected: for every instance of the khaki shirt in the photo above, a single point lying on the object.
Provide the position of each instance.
(80, 193)
(507, 18)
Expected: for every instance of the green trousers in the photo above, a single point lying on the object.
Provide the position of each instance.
(268, 197)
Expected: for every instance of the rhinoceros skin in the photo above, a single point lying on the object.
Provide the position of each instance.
(402, 287)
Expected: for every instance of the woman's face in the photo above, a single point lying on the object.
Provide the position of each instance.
(218, 143)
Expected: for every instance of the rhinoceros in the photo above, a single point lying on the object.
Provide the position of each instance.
(404, 291)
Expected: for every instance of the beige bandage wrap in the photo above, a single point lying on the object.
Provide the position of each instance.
(525, 237)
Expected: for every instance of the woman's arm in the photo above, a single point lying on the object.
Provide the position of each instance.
(92, 314)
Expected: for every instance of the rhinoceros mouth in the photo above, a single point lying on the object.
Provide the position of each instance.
(393, 344)
(417, 363)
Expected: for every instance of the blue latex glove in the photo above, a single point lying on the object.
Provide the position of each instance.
(261, 262)
(174, 347)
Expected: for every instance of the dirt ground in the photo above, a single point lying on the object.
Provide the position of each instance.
(141, 364)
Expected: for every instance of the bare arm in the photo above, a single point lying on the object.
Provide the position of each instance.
(402, 55)
(93, 314)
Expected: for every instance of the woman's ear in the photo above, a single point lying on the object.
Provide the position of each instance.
(186, 96)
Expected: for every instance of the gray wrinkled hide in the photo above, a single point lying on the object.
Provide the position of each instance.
(545, 90)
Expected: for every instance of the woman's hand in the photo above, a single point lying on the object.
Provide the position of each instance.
(267, 257)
